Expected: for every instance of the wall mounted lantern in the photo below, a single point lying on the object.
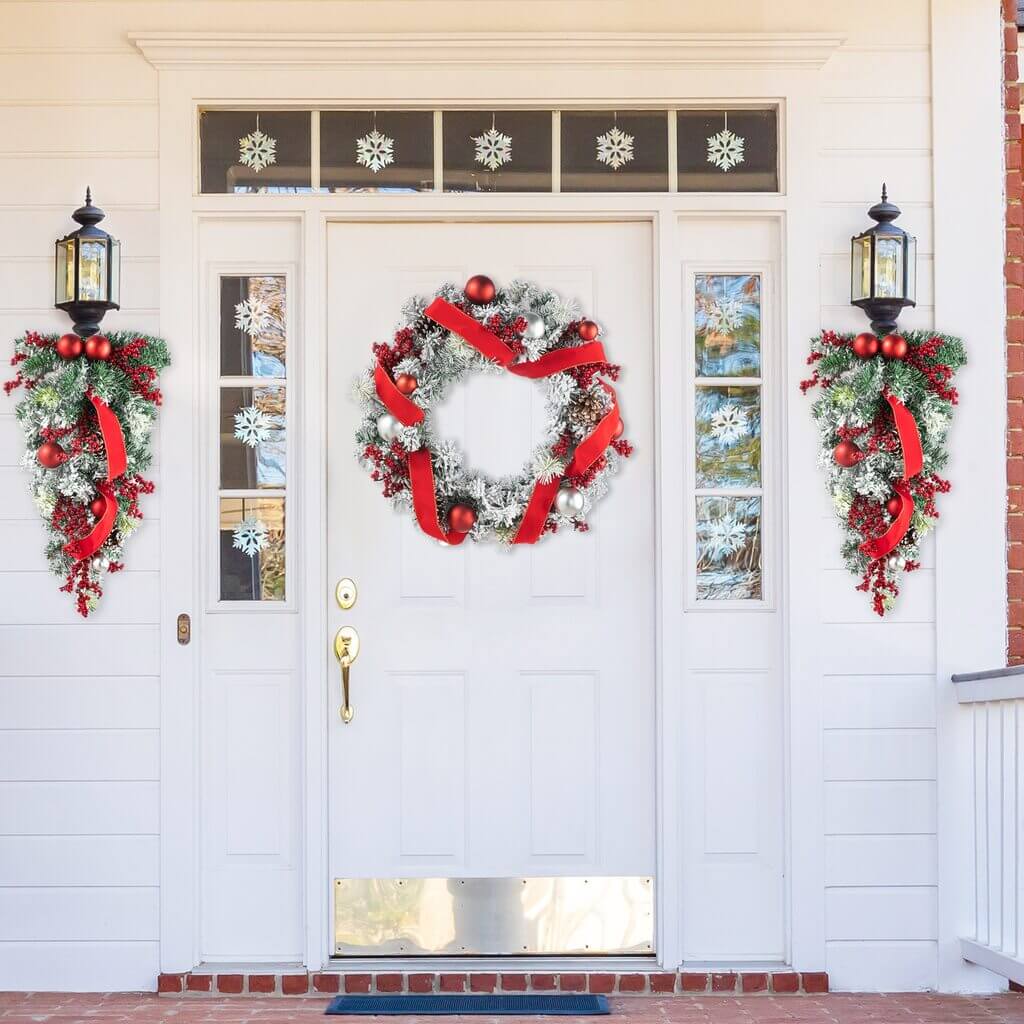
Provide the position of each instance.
(884, 268)
(88, 271)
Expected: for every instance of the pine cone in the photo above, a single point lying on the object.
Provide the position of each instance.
(586, 410)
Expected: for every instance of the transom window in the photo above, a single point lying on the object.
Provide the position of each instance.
(401, 151)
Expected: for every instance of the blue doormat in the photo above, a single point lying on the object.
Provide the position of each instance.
(427, 1005)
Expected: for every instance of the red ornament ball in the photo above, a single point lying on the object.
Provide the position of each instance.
(480, 290)
(588, 330)
(98, 506)
(69, 346)
(865, 345)
(847, 454)
(894, 505)
(461, 518)
(51, 455)
(406, 383)
(617, 432)
(894, 346)
(98, 347)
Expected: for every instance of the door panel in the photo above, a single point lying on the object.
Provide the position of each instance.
(504, 700)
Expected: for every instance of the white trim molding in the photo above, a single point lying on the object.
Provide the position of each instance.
(673, 51)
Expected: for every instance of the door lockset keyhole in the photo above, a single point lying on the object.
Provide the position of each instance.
(345, 593)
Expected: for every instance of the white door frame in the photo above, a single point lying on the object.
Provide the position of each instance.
(663, 70)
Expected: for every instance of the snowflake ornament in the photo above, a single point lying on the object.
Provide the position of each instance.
(257, 150)
(724, 536)
(250, 536)
(724, 316)
(725, 150)
(493, 149)
(251, 316)
(729, 423)
(252, 426)
(375, 150)
(615, 148)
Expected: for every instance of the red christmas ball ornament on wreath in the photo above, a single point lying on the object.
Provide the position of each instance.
(406, 383)
(480, 290)
(847, 454)
(588, 330)
(51, 455)
(69, 346)
(98, 506)
(894, 346)
(461, 518)
(865, 345)
(98, 347)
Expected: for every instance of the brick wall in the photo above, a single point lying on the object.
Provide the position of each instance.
(1014, 341)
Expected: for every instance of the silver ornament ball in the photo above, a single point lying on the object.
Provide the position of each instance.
(534, 325)
(100, 563)
(388, 426)
(569, 502)
(895, 562)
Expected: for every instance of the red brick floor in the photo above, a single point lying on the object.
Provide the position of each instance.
(40, 1008)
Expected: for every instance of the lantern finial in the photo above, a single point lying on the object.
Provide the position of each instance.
(88, 195)
(884, 212)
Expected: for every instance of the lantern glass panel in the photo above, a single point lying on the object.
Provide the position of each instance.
(860, 265)
(888, 267)
(92, 270)
(115, 271)
(65, 288)
(911, 269)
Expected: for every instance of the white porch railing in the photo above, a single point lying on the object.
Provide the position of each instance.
(996, 702)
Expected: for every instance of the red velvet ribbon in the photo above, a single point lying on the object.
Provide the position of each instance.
(117, 464)
(913, 462)
(489, 345)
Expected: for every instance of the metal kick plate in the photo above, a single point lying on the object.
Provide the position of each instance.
(493, 916)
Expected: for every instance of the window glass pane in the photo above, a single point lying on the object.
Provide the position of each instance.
(252, 326)
(390, 151)
(608, 151)
(888, 267)
(237, 154)
(728, 151)
(514, 149)
(252, 438)
(727, 325)
(728, 549)
(728, 433)
(252, 549)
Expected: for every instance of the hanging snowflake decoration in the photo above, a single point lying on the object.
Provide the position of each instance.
(250, 536)
(729, 423)
(493, 149)
(252, 426)
(375, 150)
(257, 150)
(251, 316)
(725, 150)
(724, 536)
(615, 148)
(724, 316)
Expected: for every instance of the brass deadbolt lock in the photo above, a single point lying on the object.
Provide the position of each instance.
(345, 593)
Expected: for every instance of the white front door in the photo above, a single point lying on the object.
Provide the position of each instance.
(504, 701)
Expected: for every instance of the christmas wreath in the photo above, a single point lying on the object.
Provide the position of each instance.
(86, 419)
(883, 415)
(524, 330)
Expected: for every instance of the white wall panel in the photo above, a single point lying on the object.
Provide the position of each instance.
(68, 914)
(79, 808)
(78, 860)
(79, 966)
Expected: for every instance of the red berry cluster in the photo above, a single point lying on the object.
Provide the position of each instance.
(128, 489)
(391, 465)
(128, 359)
(923, 359)
(925, 488)
(510, 332)
(390, 355)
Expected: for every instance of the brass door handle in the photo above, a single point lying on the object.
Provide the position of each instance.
(346, 650)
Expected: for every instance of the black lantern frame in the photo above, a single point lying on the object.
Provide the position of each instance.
(87, 271)
(883, 272)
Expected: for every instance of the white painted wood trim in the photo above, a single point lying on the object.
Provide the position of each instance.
(970, 594)
(994, 959)
(605, 49)
(989, 688)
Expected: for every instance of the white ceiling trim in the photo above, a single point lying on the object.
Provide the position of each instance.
(674, 51)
